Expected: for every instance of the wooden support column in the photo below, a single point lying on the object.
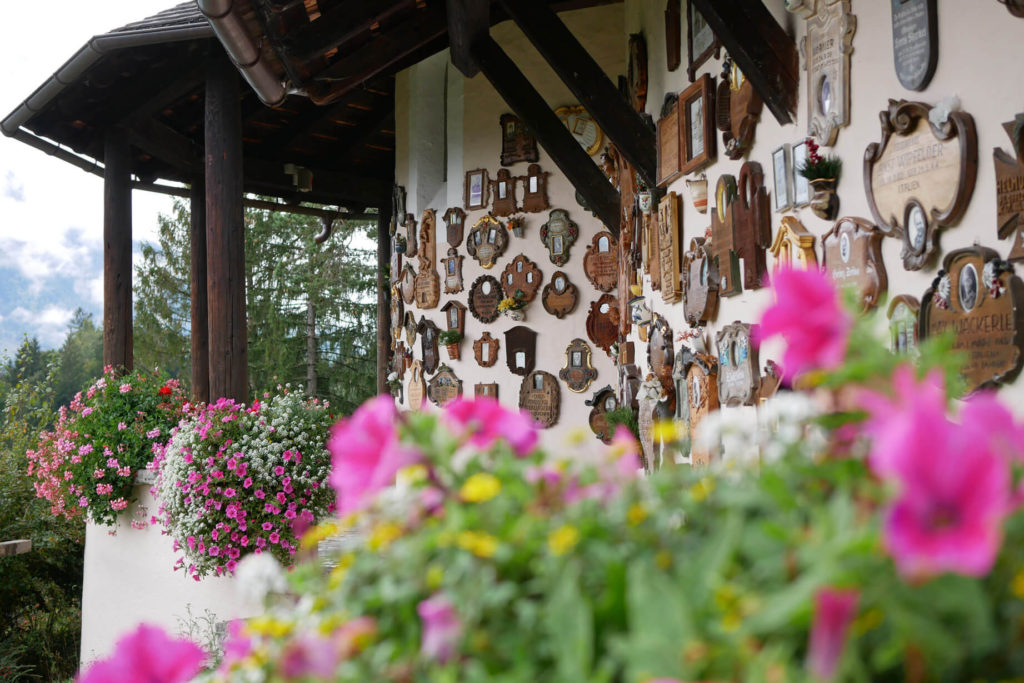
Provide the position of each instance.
(200, 310)
(383, 297)
(561, 146)
(225, 235)
(117, 251)
(588, 82)
(761, 48)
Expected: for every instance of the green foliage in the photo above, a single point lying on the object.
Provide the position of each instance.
(449, 337)
(830, 167)
(623, 416)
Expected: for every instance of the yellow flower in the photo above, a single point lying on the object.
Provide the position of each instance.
(320, 532)
(637, 514)
(338, 573)
(269, 626)
(435, 575)
(480, 488)
(383, 535)
(1017, 585)
(666, 431)
(411, 474)
(562, 539)
(577, 436)
(702, 489)
(477, 542)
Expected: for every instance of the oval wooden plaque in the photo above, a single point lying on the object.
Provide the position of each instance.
(484, 297)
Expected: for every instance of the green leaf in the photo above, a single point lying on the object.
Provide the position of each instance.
(660, 623)
(570, 626)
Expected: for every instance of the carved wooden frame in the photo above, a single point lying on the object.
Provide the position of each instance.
(699, 266)
(703, 89)
(487, 316)
(673, 34)
(694, 61)
(417, 386)
(485, 225)
(493, 348)
(746, 369)
(857, 231)
(452, 265)
(598, 410)
(410, 326)
(504, 206)
(489, 389)
(793, 246)
(455, 225)
(445, 376)
(670, 236)
(396, 313)
(522, 146)
(670, 148)
(429, 332)
(603, 327)
(559, 225)
(460, 320)
(901, 119)
(484, 189)
(535, 201)
(660, 345)
(738, 108)
(578, 378)
(914, 306)
(523, 275)
(521, 339)
(549, 387)
(578, 112)
(407, 284)
(558, 308)
(594, 258)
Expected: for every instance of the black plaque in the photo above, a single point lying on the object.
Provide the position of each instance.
(915, 42)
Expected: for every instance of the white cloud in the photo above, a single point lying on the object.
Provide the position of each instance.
(49, 325)
(14, 189)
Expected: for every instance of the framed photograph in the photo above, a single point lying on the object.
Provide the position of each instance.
(475, 193)
(697, 136)
(701, 42)
(782, 190)
(801, 188)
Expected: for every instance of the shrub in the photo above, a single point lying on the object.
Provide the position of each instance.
(87, 463)
(235, 479)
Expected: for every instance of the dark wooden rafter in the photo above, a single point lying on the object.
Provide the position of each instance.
(190, 81)
(761, 48)
(468, 21)
(587, 81)
(561, 146)
(338, 25)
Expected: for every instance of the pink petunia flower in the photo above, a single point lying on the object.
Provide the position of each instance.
(441, 627)
(808, 317)
(834, 609)
(148, 654)
(484, 421)
(366, 453)
(308, 656)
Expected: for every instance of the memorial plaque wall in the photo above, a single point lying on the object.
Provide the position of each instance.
(484, 297)
(520, 349)
(915, 41)
(1010, 191)
(826, 49)
(444, 387)
(539, 396)
(485, 349)
(700, 283)
(669, 241)
(852, 255)
(578, 373)
(600, 262)
(738, 367)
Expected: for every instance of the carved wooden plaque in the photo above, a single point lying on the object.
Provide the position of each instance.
(700, 284)
(452, 265)
(661, 354)
(979, 297)
(397, 312)
(702, 392)
(520, 349)
(1010, 191)
(629, 384)
(603, 322)
(752, 225)
(539, 396)
(670, 237)
(454, 221)
(670, 163)
(503, 189)
(684, 358)
(558, 234)
(444, 387)
(637, 72)
(723, 237)
(428, 282)
(904, 312)
(826, 50)
(1014, 7)
(490, 390)
(793, 246)
(915, 41)
(475, 190)
(652, 262)
(487, 241)
(738, 109)
(428, 288)
(535, 189)
(603, 401)
(517, 143)
(417, 388)
(920, 177)
(428, 345)
(647, 399)
(408, 231)
(410, 328)
(673, 34)
(455, 316)
(600, 263)
(485, 349)
(397, 361)
(521, 275)
(407, 284)
(484, 297)
(578, 373)
(852, 255)
(738, 368)
(396, 265)
(559, 296)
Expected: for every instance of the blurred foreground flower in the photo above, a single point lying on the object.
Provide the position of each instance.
(149, 655)
(483, 421)
(441, 627)
(833, 611)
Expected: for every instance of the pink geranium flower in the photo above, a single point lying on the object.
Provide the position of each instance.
(148, 654)
(808, 317)
(441, 627)
(483, 421)
(834, 609)
(366, 453)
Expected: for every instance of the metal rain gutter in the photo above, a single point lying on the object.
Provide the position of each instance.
(231, 30)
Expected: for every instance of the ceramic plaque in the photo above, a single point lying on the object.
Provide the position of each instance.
(1010, 191)
(517, 142)
(559, 296)
(487, 241)
(738, 110)
(852, 256)
(793, 246)
(979, 297)
(490, 390)
(417, 388)
(600, 262)
(826, 50)
(407, 284)
(921, 176)
(485, 350)
(578, 373)
(738, 368)
(454, 221)
(915, 41)
(452, 265)
(723, 237)
(558, 234)
(903, 321)
(700, 284)
(428, 345)
(444, 387)
(670, 236)
(521, 275)
(520, 349)
(603, 322)
(535, 189)
(602, 402)
(484, 297)
(503, 191)
(539, 396)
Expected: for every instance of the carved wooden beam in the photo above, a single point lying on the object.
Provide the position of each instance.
(761, 48)
(588, 82)
(559, 143)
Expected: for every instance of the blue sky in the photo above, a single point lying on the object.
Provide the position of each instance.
(51, 214)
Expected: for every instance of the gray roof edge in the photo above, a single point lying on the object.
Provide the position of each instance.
(86, 57)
